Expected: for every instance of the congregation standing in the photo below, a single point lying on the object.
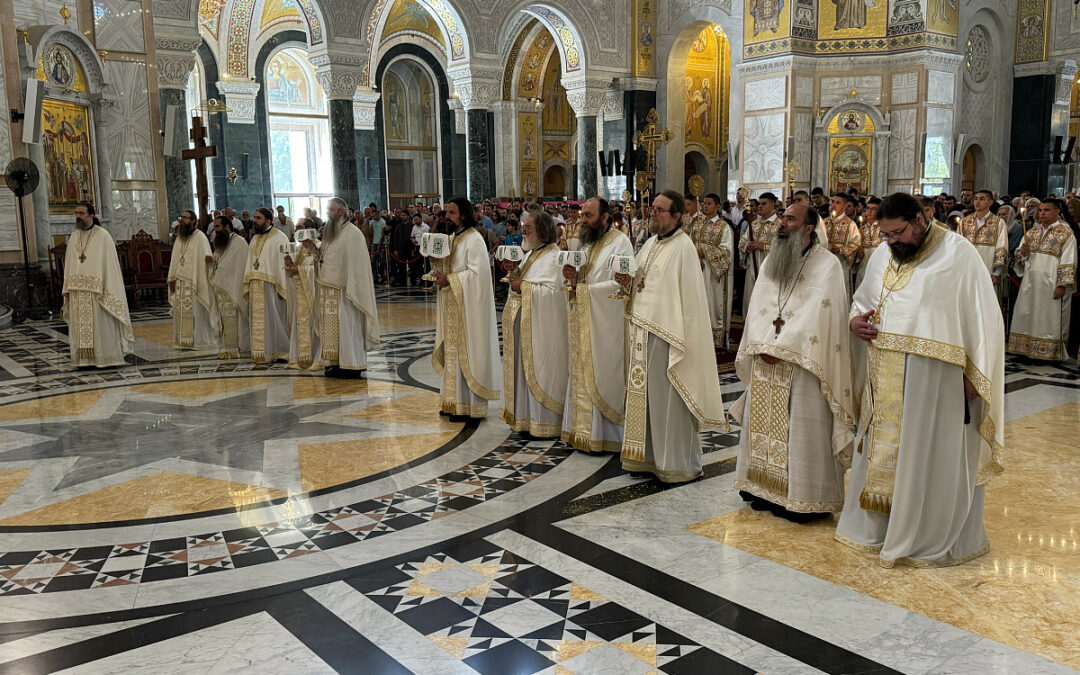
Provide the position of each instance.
(855, 364)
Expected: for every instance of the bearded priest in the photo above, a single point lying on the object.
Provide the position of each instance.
(673, 389)
(593, 415)
(304, 315)
(227, 279)
(190, 294)
(466, 352)
(1046, 263)
(930, 378)
(95, 304)
(348, 317)
(536, 352)
(266, 290)
(796, 415)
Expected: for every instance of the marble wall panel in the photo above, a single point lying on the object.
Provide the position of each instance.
(763, 148)
(9, 225)
(766, 94)
(479, 157)
(10, 235)
(803, 132)
(804, 92)
(586, 157)
(837, 89)
(118, 25)
(902, 144)
(939, 144)
(133, 210)
(940, 86)
(905, 88)
(128, 136)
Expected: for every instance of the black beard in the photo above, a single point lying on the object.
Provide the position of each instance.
(591, 235)
(221, 239)
(83, 226)
(264, 230)
(185, 230)
(903, 253)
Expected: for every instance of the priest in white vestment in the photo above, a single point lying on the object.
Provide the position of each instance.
(673, 389)
(95, 304)
(536, 351)
(869, 239)
(1046, 264)
(796, 415)
(266, 290)
(754, 243)
(714, 240)
(227, 279)
(348, 318)
(191, 296)
(593, 415)
(930, 391)
(466, 352)
(304, 341)
(845, 240)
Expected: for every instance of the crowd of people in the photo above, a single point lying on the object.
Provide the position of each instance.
(852, 356)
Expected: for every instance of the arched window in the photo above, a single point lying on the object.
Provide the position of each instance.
(300, 164)
(411, 124)
(194, 95)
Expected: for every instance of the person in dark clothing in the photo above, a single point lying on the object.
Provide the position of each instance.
(401, 248)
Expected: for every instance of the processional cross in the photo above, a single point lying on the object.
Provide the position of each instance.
(199, 155)
(651, 137)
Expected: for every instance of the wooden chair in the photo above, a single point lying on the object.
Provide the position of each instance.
(57, 256)
(144, 261)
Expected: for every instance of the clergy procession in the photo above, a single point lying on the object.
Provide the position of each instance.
(852, 357)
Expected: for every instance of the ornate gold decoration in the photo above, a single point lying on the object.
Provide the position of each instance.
(65, 13)
(652, 137)
(697, 185)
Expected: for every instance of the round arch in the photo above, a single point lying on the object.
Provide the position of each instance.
(567, 39)
(453, 28)
(879, 166)
(973, 166)
(695, 162)
(240, 44)
(392, 68)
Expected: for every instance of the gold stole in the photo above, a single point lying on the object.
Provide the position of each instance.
(257, 300)
(887, 384)
(514, 303)
(330, 324)
(185, 321)
(81, 308)
(304, 308)
(770, 394)
(230, 326)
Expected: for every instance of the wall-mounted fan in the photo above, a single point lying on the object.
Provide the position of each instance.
(22, 178)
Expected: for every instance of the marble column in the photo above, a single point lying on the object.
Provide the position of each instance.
(586, 98)
(175, 61)
(477, 88)
(340, 82)
(367, 137)
(478, 154)
(1040, 112)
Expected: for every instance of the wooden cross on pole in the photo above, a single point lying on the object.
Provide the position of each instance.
(199, 155)
(651, 137)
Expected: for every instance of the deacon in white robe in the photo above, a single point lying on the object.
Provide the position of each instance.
(593, 415)
(1046, 264)
(845, 240)
(95, 304)
(796, 415)
(348, 318)
(673, 389)
(714, 240)
(930, 386)
(191, 296)
(230, 259)
(466, 352)
(304, 342)
(536, 351)
(869, 238)
(754, 243)
(266, 290)
(989, 234)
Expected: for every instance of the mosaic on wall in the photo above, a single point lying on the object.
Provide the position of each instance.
(59, 67)
(849, 164)
(1031, 16)
(644, 32)
(557, 116)
(532, 68)
(530, 167)
(707, 66)
(65, 132)
(767, 20)
(289, 86)
(407, 15)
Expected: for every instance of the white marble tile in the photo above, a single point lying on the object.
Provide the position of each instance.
(837, 89)
(986, 657)
(766, 94)
(118, 25)
(54, 639)
(267, 647)
(399, 640)
(763, 148)
(940, 86)
(1035, 400)
(905, 88)
(804, 92)
(902, 143)
(128, 137)
(67, 603)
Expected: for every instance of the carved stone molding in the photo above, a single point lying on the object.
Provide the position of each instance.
(477, 89)
(240, 96)
(168, 43)
(460, 118)
(640, 84)
(174, 69)
(586, 97)
(613, 102)
(339, 82)
(365, 103)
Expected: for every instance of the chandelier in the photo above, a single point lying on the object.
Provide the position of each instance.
(211, 9)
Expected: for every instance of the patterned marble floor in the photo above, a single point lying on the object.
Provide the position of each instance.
(187, 515)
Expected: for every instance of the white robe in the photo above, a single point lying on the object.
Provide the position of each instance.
(230, 302)
(348, 317)
(673, 388)
(763, 231)
(843, 233)
(536, 351)
(1040, 324)
(715, 241)
(95, 304)
(193, 298)
(466, 351)
(266, 290)
(304, 342)
(596, 387)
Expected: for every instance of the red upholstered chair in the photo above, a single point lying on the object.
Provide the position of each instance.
(144, 260)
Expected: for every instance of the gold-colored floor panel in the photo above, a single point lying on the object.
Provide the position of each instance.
(327, 464)
(157, 496)
(51, 406)
(395, 315)
(10, 481)
(159, 332)
(196, 389)
(1025, 592)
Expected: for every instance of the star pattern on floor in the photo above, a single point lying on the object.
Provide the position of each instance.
(490, 608)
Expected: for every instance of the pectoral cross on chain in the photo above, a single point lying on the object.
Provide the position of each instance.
(82, 257)
(778, 323)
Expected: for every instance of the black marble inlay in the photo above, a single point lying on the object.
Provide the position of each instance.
(343, 151)
(178, 188)
(586, 157)
(479, 155)
(1032, 140)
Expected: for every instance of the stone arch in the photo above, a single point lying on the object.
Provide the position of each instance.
(239, 44)
(279, 41)
(563, 168)
(447, 17)
(426, 70)
(672, 46)
(972, 168)
(879, 168)
(44, 37)
(525, 32)
(567, 38)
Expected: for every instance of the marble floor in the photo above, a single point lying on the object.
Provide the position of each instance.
(183, 514)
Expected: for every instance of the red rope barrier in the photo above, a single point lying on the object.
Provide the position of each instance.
(404, 262)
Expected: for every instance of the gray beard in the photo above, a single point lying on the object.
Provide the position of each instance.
(785, 259)
(331, 230)
(528, 244)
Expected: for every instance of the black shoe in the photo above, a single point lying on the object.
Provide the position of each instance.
(640, 474)
(799, 518)
(334, 372)
(443, 413)
(459, 419)
(746, 496)
(759, 504)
